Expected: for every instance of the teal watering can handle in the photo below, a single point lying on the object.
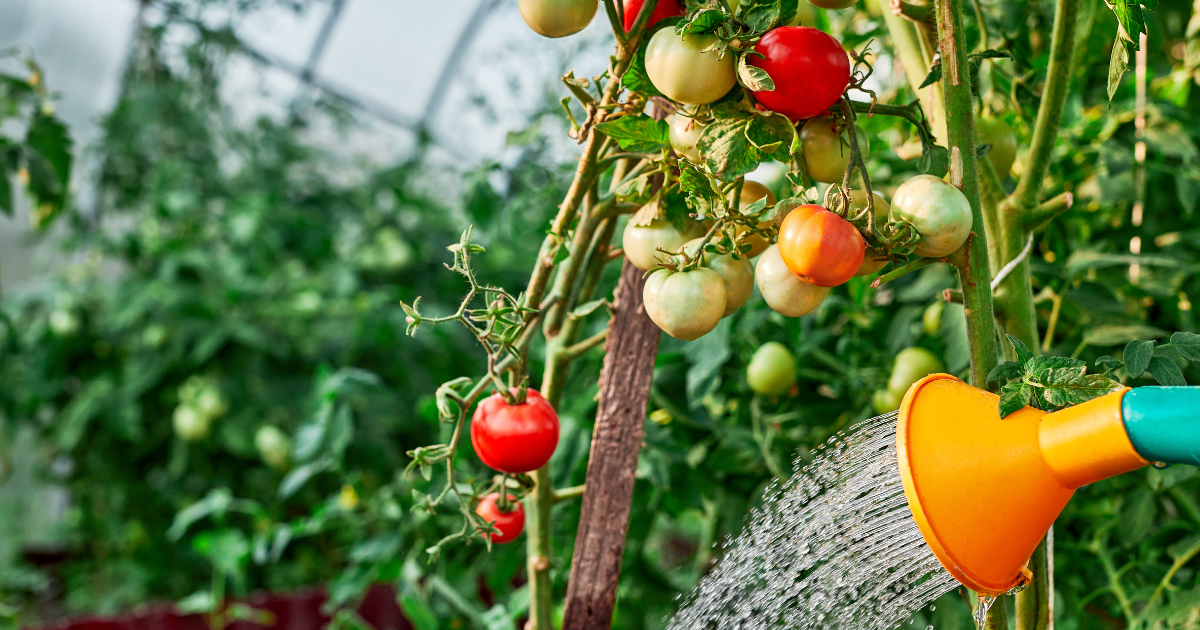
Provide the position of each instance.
(1163, 423)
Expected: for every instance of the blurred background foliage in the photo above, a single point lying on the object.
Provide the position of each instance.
(217, 383)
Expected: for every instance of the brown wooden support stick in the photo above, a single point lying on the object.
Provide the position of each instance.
(624, 388)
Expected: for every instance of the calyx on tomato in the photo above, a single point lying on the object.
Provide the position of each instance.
(783, 291)
(685, 304)
(665, 9)
(820, 247)
(515, 438)
(510, 524)
(810, 70)
(641, 243)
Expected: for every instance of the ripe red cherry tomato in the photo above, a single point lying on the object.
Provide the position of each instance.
(820, 247)
(665, 9)
(510, 524)
(810, 70)
(515, 438)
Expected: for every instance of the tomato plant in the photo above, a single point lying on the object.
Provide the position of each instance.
(939, 211)
(685, 304)
(809, 68)
(509, 522)
(820, 247)
(753, 191)
(515, 437)
(682, 69)
(557, 18)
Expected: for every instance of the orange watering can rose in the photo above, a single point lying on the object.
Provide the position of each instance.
(984, 490)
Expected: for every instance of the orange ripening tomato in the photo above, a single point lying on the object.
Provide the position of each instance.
(820, 247)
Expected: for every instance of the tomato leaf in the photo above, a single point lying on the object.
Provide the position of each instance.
(1166, 372)
(706, 21)
(1014, 397)
(762, 17)
(1131, 20)
(935, 75)
(769, 133)
(1108, 363)
(935, 160)
(1048, 369)
(1137, 357)
(1070, 387)
(1023, 353)
(753, 77)
(787, 10)
(700, 195)
(726, 147)
(1188, 345)
(1005, 372)
(638, 134)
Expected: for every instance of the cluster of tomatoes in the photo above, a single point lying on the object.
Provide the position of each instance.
(513, 437)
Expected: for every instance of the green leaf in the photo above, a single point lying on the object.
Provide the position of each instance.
(1188, 345)
(1067, 387)
(1137, 516)
(1014, 397)
(935, 160)
(418, 613)
(935, 75)
(1084, 259)
(86, 405)
(1043, 368)
(1132, 23)
(761, 17)
(637, 134)
(1005, 372)
(1023, 353)
(705, 21)
(1137, 357)
(216, 502)
(706, 356)
(753, 77)
(1108, 363)
(226, 549)
(635, 78)
(701, 197)
(769, 133)
(1117, 335)
(1166, 372)
(726, 147)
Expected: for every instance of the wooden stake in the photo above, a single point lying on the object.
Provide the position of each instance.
(624, 388)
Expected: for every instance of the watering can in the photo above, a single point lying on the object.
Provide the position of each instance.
(984, 490)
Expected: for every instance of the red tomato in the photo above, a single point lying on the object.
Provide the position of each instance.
(820, 247)
(665, 9)
(510, 524)
(810, 70)
(515, 438)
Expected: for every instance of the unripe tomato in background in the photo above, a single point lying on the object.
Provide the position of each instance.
(190, 425)
(809, 67)
(772, 369)
(515, 438)
(687, 304)
(665, 9)
(557, 18)
(783, 291)
(939, 211)
(510, 523)
(826, 154)
(820, 247)
(931, 320)
(274, 446)
(679, 67)
(997, 133)
(885, 400)
(912, 365)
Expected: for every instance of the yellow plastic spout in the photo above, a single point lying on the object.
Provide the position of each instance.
(984, 490)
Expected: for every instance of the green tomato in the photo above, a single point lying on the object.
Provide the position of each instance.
(684, 134)
(190, 425)
(557, 18)
(939, 211)
(641, 243)
(886, 401)
(274, 446)
(772, 369)
(997, 133)
(687, 304)
(63, 322)
(826, 151)
(680, 69)
(783, 290)
(931, 321)
(737, 274)
(912, 365)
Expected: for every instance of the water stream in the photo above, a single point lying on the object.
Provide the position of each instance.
(833, 547)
